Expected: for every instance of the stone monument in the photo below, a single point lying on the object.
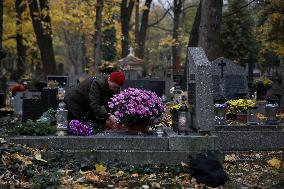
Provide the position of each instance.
(200, 90)
(229, 79)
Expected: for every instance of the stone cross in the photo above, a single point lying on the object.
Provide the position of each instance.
(131, 51)
(222, 64)
(200, 90)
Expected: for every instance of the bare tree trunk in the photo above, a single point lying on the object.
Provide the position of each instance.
(193, 38)
(143, 29)
(42, 28)
(98, 35)
(137, 2)
(20, 7)
(125, 16)
(2, 52)
(84, 53)
(193, 42)
(72, 41)
(210, 27)
(1, 23)
(177, 9)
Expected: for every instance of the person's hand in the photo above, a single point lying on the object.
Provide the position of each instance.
(110, 122)
(112, 119)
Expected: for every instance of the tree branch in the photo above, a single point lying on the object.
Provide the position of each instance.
(191, 6)
(165, 14)
(164, 29)
(238, 9)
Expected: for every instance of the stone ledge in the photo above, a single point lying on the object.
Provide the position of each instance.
(94, 142)
(123, 156)
(263, 128)
(250, 140)
(193, 143)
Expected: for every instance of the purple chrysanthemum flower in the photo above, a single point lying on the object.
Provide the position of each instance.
(136, 105)
(80, 129)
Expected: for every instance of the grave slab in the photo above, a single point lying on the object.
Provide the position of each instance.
(171, 148)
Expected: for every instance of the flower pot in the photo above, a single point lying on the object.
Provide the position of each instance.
(231, 116)
(242, 118)
(261, 93)
(175, 121)
(136, 129)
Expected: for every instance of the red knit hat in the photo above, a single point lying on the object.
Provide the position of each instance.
(117, 77)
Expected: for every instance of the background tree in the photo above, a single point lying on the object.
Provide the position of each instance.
(98, 35)
(177, 10)
(1, 24)
(20, 7)
(210, 27)
(143, 29)
(270, 30)
(238, 40)
(110, 32)
(109, 42)
(73, 27)
(43, 31)
(126, 9)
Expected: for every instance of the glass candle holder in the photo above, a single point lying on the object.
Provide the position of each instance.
(61, 119)
(252, 118)
(271, 109)
(220, 113)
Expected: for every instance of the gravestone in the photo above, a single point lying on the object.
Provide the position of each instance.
(229, 79)
(200, 90)
(132, 66)
(3, 84)
(32, 109)
(3, 90)
(61, 79)
(18, 99)
(49, 99)
(152, 85)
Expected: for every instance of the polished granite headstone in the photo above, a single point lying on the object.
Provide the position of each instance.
(200, 90)
(229, 79)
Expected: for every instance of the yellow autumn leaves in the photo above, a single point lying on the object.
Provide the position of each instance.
(275, 163)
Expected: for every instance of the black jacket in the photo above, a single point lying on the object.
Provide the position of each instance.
(89, 99)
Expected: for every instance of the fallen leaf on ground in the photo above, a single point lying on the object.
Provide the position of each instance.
(38, 156)
(152, 176)
(119, 173)
(135, 175)
(184, 164)
(276, 163)
(100, 168)
(230, 158)
(24, 159)
(155, 185)
(91, 177)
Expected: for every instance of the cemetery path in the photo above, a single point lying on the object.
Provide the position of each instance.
(24, 167)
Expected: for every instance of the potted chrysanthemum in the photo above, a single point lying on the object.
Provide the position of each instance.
(240, 107)
(136, 109)
(261, 85)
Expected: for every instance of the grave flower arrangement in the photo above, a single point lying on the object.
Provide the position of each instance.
(80, 129)
(17, 88)
(135, 106)
(240, 105)
(262, 82)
